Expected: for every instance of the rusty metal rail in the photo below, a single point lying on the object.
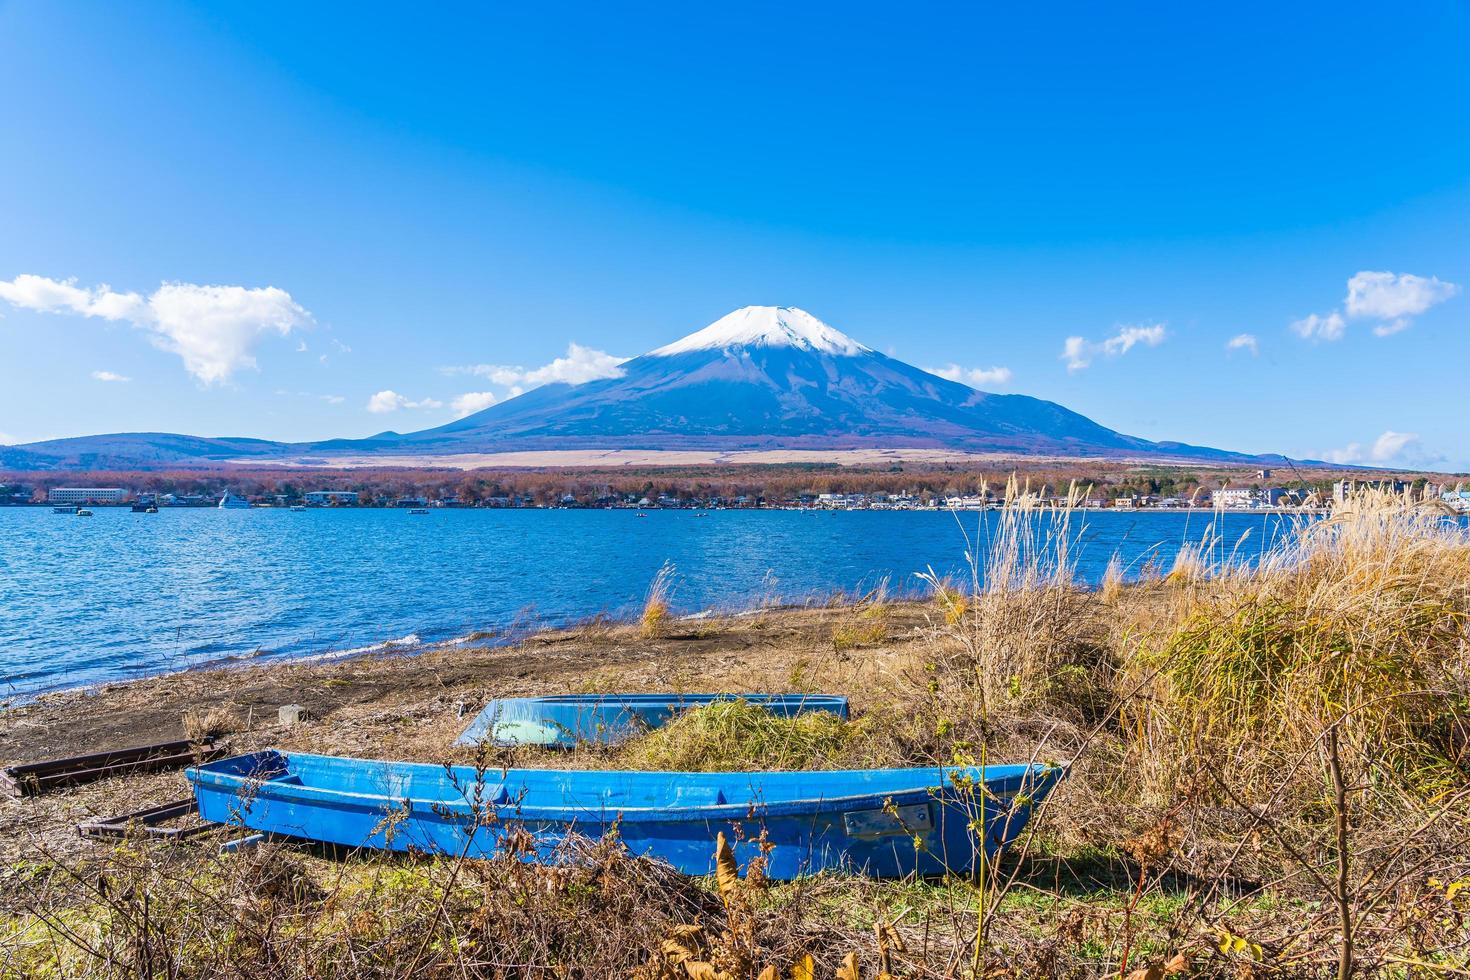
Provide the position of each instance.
(34, 778)
(149, 822)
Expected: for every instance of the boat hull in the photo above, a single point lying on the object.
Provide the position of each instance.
(563, 721)
(883, 823)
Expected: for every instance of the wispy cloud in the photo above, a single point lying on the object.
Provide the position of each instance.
(1389, 449)
(1391, 299)
(110, 377)
(213, 329)
(1315, 327)
(389, 400)
(1079, 352)
(975, 377)
(580, 365)
(1244, 341)
(471, 402)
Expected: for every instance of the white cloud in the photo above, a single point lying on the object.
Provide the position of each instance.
(1390, 448)
(1075, 353)
(1393, 300)
(471, 402)
(1392, 327)
(1314, 327)
(332, 399)
(1385, 296)
(389, 400)
(1127, 337)
(1079, 352)
(580, 365)
(974, 377)
(1244, 341)
(213, 329)
(109, 376)
(56, 296)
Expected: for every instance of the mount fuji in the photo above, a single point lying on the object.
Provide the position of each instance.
(760, 378)
(768, 377)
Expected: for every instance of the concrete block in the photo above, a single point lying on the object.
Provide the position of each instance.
(293, 714)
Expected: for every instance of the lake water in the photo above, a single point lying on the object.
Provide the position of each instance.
(122, 595)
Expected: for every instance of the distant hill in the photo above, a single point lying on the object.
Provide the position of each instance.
(762, 377)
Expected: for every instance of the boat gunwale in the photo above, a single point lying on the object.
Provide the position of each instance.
(674, 699)
(1043, 775)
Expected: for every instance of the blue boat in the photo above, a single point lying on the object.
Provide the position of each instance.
(564, 720)
(880, 822)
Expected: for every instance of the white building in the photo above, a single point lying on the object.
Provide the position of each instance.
(323, 498)
(85, 495)
(972, 502)
(1234, 497)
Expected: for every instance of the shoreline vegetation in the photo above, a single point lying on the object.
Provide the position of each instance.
(904, 484)
(1270, 777)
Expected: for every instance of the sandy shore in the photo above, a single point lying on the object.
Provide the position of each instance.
(412, 707)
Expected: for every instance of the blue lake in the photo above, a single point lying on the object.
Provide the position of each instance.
(122, 595)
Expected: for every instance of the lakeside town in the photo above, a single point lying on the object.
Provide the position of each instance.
(1236, 495)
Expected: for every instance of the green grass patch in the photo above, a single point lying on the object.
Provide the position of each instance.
(738, 735)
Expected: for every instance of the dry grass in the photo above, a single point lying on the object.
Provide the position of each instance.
(657, 614)
(202, 723)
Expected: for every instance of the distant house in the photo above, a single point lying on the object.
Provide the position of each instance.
(1234, 497)
(326, 498)
(971, 502)
(1343, 489)
(1457, 500)
(187, 500)
(14, 493)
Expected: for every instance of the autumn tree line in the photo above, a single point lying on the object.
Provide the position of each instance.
(756, 483)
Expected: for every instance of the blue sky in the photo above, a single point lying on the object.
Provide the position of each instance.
(395, 192)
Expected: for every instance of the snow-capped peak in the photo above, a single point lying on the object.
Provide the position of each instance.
(766, 326)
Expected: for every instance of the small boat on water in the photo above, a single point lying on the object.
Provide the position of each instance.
(298, 509)
(880, 822)
(83, 512)
(562, 721)
(418, 510)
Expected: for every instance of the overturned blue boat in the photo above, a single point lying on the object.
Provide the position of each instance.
(880, 822)
(562, 721)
